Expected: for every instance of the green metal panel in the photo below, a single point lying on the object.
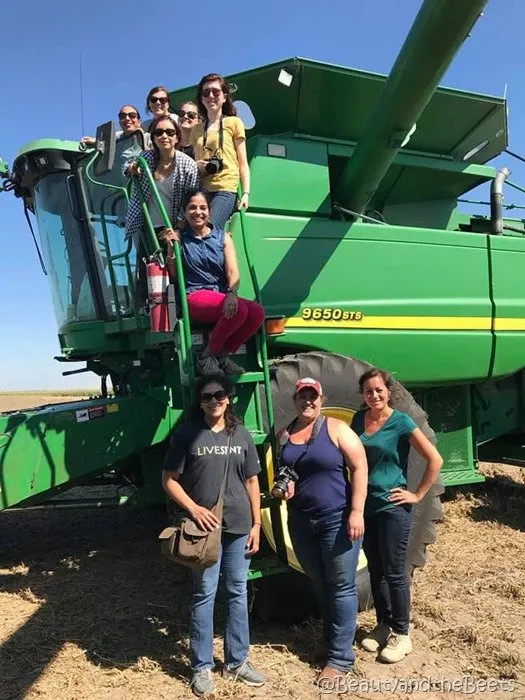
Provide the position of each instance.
(508, 283)
(498, 407)
(42, 450)
(450, 416)
(297, 183)
(439, 333)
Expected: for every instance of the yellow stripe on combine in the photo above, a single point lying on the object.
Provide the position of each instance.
(509, 324)
(433, 323)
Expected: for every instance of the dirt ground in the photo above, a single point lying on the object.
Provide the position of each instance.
(89, 610)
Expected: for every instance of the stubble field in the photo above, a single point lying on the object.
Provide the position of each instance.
(89, 610)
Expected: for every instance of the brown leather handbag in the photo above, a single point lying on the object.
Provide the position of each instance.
(190, 546)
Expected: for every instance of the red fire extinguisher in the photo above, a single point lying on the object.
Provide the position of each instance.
(158, 281)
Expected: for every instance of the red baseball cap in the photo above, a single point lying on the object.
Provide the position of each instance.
(308, 383)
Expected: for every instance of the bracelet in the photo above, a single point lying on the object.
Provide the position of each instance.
(254, 524)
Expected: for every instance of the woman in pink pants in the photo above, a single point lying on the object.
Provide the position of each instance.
(212, 280)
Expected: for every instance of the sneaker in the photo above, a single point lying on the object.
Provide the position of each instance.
(228, 366)
(377, 638)
(245, 673)
(202, 682)
(207, 364)
(397, 647)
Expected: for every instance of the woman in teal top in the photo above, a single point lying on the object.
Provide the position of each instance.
(387, 435)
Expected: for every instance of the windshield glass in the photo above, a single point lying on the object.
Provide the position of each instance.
(63, 251)
(114, 252)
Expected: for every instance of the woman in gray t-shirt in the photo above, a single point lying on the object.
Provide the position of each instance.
(193, 472)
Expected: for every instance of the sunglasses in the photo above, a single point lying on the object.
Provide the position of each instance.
(191, 115)
(160, 100)
(128, 115)
(217, 395)
(168, 132)
(211, 91)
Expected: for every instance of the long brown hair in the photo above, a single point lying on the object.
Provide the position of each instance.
(228, 108)
(231, 420)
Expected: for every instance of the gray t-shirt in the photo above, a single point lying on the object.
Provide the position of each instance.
(165, 190)
(199, 455)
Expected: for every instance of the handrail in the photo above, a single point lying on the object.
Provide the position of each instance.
(264, 349)
(186, 339)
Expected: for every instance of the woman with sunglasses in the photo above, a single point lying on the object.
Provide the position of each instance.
(188, 115)
(193, 471)
(158, 105)
(212, 279)
(174, 172)
(220, 149)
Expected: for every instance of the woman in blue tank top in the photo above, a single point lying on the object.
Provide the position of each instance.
(325, 517)
(387, 435)
(212, 280)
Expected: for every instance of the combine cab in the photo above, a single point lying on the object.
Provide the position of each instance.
(353, 243)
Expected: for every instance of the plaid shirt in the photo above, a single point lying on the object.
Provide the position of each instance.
(185, 177)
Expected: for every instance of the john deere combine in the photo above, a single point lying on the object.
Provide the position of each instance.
(356, 247)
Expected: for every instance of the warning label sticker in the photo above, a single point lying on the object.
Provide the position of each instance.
(82, 415)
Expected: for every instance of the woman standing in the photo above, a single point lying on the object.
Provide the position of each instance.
(220, 149)
(325, 516)
(188, 115)
(387, 435)
(174, 172)
(212, 281)
(192, 476)
(158, 105)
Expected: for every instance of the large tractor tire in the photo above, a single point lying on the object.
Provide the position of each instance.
(339, 377)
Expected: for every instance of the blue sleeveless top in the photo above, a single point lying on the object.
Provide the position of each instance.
(203, 260)
(324, 485)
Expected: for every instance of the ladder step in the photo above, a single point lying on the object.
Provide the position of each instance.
(259, 436)
(247, 378)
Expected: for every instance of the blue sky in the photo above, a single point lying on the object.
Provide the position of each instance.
(129, 46)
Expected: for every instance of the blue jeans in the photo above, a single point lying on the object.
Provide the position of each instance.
(385, 545)
(329, 559)
(222, 206)
(234, 563)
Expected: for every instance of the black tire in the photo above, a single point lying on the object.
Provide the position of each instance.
(339, 377)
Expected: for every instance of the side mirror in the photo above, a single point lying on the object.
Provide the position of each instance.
(105, 145)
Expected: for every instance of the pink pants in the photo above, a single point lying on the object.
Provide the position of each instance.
(229, 333)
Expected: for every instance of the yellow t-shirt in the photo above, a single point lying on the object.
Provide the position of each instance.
(228, 178)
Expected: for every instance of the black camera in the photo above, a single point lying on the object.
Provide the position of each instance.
(283, 478)
(214, 165)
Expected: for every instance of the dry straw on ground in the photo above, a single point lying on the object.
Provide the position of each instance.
(89, 610)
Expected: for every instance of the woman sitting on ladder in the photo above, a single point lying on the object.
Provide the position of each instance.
(212, 279)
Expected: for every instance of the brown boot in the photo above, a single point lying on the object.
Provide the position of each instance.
(331, 680)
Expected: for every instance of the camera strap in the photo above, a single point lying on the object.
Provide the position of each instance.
(221, 136)
(285, 437)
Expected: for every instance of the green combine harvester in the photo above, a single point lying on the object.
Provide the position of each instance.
(355, 246)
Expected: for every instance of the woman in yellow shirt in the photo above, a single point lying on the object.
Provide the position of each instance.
(220, 149)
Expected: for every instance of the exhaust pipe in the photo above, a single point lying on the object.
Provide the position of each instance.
(496, 201)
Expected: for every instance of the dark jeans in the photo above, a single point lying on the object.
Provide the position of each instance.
(385, 545)
(329, 559)
(222, 206)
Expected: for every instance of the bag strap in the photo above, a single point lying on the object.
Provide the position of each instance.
(285, 437)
